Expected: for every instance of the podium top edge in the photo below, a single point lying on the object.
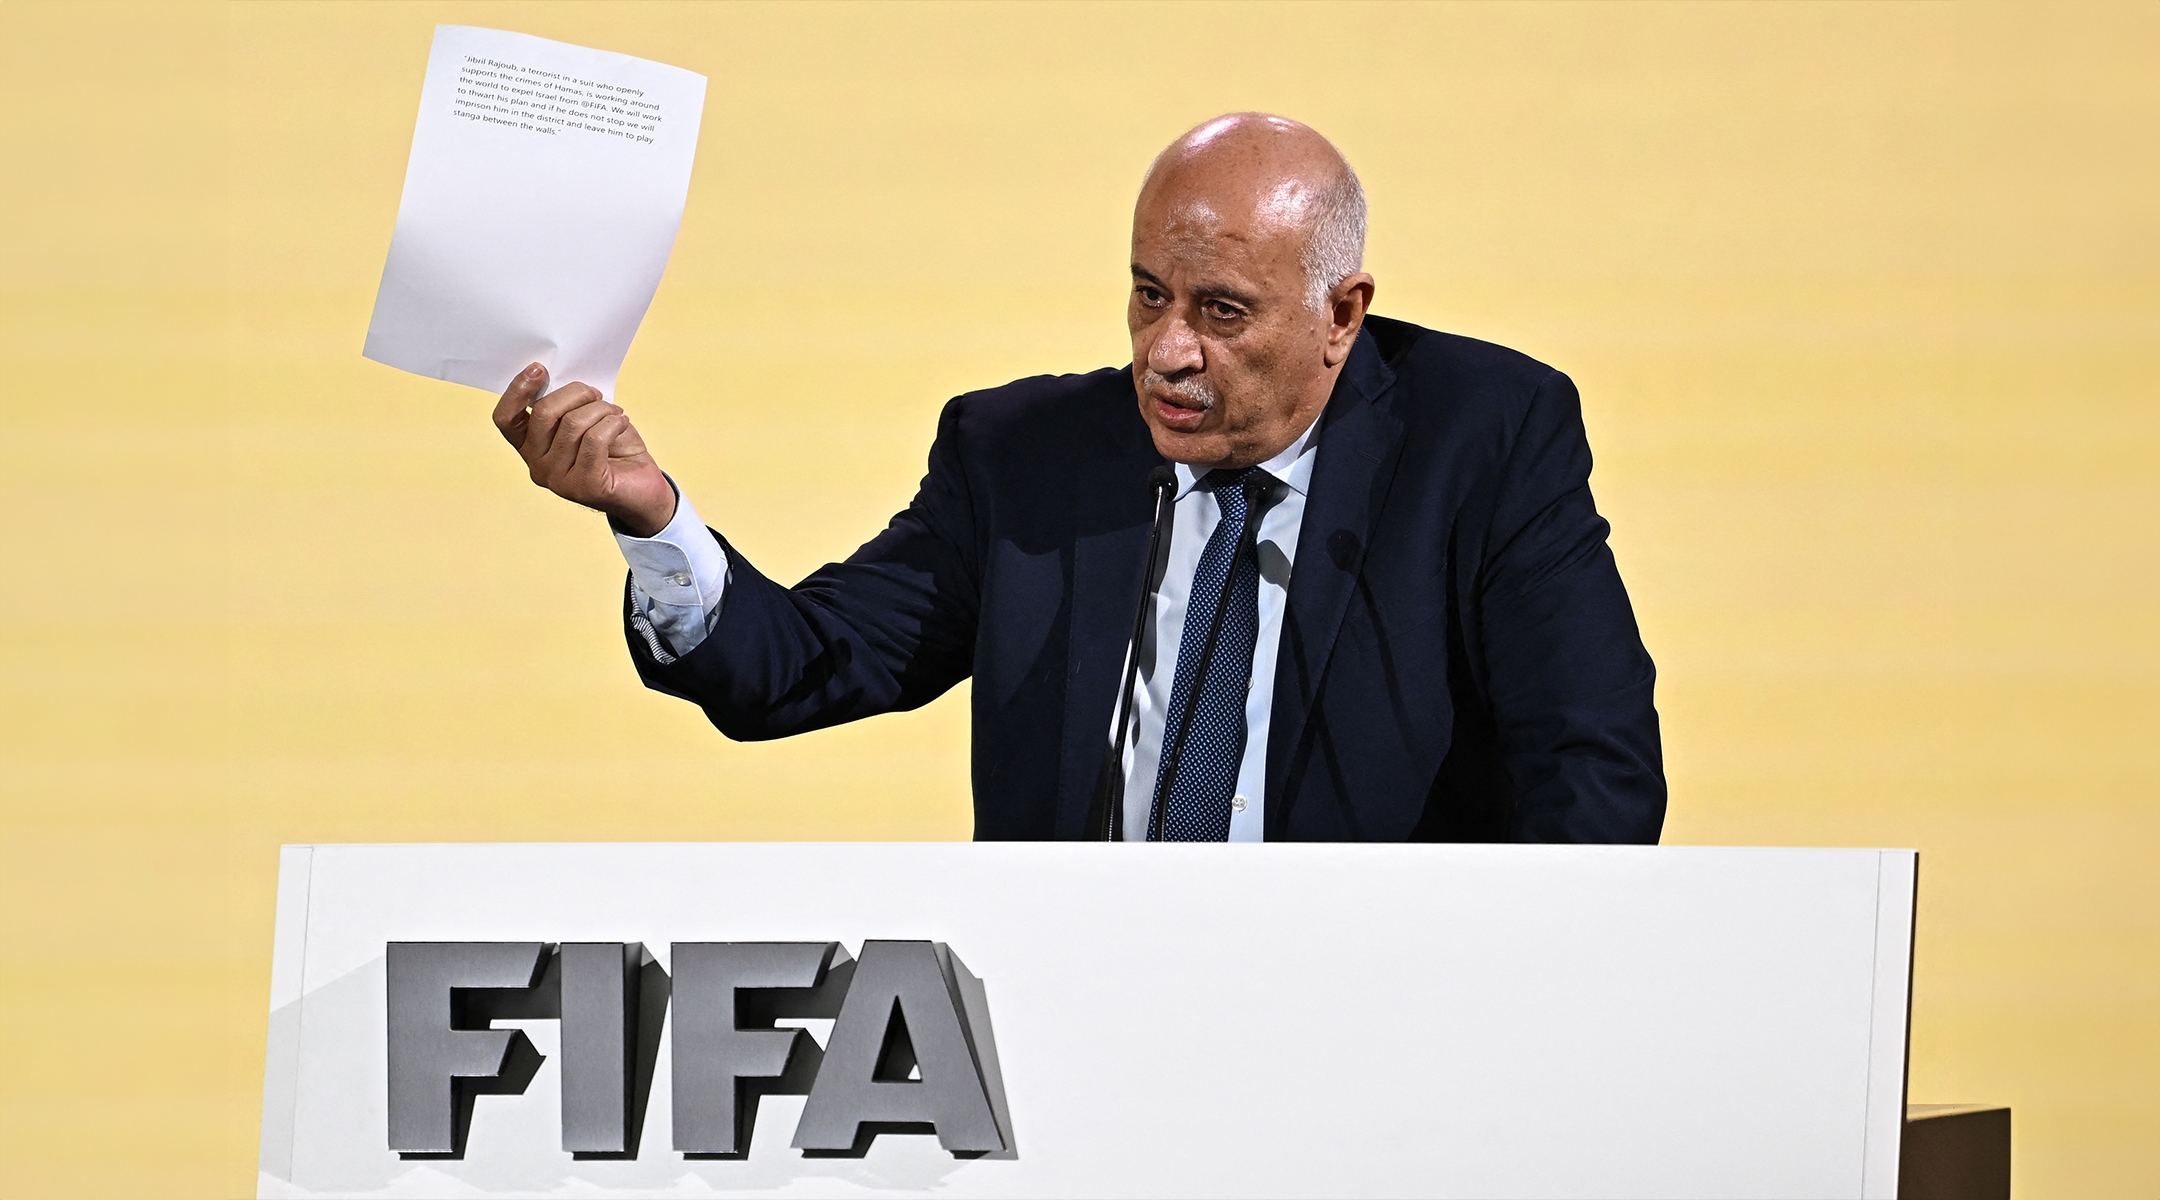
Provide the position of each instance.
(1175, 847)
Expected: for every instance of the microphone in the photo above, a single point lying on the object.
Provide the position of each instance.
(1107, 815)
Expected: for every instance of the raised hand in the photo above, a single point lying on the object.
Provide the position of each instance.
(582, 448)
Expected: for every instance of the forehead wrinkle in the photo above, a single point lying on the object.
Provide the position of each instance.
(1195, 219)
(1197, 230)
(1197, 211)
(1209, 252)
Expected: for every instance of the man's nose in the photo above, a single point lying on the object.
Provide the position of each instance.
(1176, 349)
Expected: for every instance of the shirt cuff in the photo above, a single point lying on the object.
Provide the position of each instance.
(678, 575)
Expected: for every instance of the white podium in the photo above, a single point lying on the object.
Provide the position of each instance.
(1120, 1020)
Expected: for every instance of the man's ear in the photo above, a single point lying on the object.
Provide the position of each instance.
(1347, 305)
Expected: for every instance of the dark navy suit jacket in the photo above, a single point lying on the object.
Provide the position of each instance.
(1459, 661)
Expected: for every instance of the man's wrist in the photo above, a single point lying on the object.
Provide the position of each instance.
(643, 521)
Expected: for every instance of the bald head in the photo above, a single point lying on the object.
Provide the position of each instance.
(1283, 175)
(1247, 294)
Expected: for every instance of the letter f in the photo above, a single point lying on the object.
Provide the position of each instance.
(436, 1054)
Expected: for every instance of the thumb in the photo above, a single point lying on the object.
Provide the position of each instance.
(512, 416)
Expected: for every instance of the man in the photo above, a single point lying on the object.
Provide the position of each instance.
(1377, 604)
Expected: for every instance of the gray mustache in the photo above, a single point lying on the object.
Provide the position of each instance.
(1192, 387)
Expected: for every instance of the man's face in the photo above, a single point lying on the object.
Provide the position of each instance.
(1230, 364)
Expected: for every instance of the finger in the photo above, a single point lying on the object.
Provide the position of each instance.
(629, 443)
(569, 432)
(510, 410)
(622, 480)
(547, 411)
(596, 447)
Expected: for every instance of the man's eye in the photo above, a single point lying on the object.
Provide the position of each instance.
(1220, 311)
(1149, 295)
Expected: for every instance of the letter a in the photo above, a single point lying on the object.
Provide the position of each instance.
(902, 1011)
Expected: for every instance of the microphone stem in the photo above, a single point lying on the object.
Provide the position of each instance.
(1113, 786)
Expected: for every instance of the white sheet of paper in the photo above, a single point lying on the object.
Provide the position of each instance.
(541, 201)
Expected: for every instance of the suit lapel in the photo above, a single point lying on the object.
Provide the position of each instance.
(1360, 444)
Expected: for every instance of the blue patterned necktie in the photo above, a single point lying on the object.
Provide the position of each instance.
(1195, 807)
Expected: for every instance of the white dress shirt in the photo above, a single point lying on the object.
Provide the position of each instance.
(1193, 517)
(676, 578)
(679, 575)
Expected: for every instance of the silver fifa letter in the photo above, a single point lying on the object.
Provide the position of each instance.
(726, 1052)
(902, 1057)
(442, 1053)
(599, 1044)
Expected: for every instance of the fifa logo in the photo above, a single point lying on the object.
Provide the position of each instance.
(910, 1049)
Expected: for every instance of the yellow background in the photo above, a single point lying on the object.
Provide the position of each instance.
(1863, 301)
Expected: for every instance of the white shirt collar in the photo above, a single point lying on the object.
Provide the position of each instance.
(1294, 466)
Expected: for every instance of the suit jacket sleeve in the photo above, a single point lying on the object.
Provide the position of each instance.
(890, 629)
(1569, 681)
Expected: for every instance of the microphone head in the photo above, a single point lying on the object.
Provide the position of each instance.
(1162, 478)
